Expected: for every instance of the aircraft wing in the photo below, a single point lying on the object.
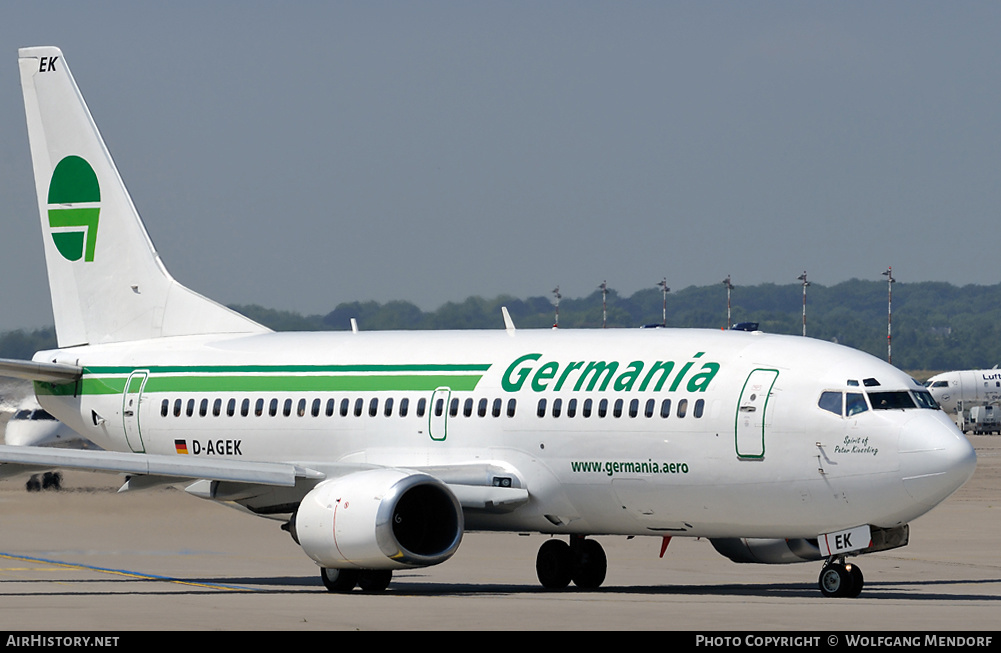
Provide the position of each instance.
(32, 371)
(476, 486)
(15, 460)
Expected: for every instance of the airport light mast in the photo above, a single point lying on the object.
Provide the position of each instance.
(604, 306)
(806, 283)
(664, 289)
(556, 293)
(729, 287)
(889, 313)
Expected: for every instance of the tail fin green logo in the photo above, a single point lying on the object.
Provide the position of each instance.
(74, 197)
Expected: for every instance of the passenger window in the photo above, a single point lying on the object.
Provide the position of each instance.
(651, 405)
(359, 406)
(203, 407)
(273, 408)
(602, 408)
(512, 404)
(665, 408)
(164, 407)
(177, 407)
(315, 412)
(301, 409)
(421, 405)
(330, 408)
(216, 407)
(498, 404)
(245, 408)
(572, 408)
(617, 410)
(231, 407)
(287, 408)
(700, 406)
(541, 412)
(373, 407)
(831, 402)
(586, 411)
(682, 407)
(467, 407)
(259, 408)
(453, 408)
(481, 408)
(634, 407)
(404, 406)
(345, 406)
(388, 408)
(439, 407)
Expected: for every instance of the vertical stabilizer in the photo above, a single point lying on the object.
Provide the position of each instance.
(105, 277)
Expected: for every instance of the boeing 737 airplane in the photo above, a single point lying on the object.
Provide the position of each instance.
(376, 451)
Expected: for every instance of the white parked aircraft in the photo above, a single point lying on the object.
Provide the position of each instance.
(964, 389)
(378, 450)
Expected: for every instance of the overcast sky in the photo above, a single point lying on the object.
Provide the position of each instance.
(302, 154)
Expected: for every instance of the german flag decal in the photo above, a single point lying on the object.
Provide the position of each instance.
(181, 446)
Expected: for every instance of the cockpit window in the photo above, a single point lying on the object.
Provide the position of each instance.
(43, 414)
(940, 384)
(870, 382)
(831, 402)
(925, 400)
(855, 403)
(891, 400)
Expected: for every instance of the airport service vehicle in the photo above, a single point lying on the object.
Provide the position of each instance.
(985, 420)
(378, 450)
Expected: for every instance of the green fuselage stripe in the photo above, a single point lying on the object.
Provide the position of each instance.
(221, 383)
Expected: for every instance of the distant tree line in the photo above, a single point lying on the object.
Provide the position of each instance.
(935, 326)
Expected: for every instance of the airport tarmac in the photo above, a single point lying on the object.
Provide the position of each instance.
(87, 558)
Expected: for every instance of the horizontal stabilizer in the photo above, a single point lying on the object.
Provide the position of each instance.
(32, 371)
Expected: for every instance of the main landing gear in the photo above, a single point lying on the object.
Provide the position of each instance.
(581, 561)
(340, 581)
(838, 579)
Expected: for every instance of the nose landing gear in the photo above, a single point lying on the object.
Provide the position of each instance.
(838, 579)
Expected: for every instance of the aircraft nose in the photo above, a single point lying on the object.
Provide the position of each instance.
(935, 458)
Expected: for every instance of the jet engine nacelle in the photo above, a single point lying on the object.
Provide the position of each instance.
(767, 551)
(379, 519)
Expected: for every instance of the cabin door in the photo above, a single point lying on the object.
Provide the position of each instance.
(438, 413)
(751, 420)
(130, 410)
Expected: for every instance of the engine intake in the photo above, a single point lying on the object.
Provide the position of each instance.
(379, 519)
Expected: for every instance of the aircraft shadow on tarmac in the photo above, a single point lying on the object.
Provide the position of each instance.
(904, 590)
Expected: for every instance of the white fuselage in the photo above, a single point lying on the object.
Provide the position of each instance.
(742, 450)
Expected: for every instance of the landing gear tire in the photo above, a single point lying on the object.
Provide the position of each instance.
(553, 565)
(339, 581)
(589, 564)
(375, 580)
(857, 581)
(582, 561)
(841, 580)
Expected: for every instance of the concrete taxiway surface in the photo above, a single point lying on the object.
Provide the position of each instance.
(86, 558)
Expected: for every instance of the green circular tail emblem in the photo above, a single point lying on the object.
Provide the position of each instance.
(74, 193)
